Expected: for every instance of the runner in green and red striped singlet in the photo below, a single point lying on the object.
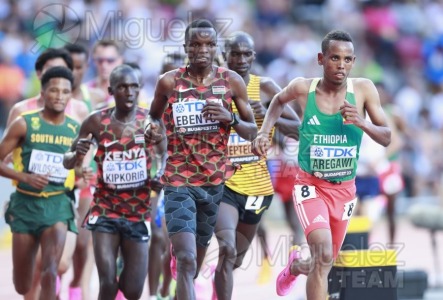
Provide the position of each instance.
(195, 104)
(120, 212)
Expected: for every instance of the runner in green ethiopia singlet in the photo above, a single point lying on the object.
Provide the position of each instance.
(329, 147)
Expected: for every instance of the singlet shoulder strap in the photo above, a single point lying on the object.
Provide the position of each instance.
(313, 85)
(350, 86)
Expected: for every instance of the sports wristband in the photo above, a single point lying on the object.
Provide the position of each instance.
(234, 119)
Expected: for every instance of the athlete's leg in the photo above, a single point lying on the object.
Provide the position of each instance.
(320, 244)
(106, 247)
(208, 202)
(225, 227)
(68, 252)
(184, 249)
(244, 236)
(87, 272)
(52, 242)
(24, 251)
(390, 210)
(81, 251)
(156, 249)
(297, 237)
(34, 291)
(166, 263)
(180, 214)
(135, 268)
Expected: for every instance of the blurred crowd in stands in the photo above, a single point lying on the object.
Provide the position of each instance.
(399, 45)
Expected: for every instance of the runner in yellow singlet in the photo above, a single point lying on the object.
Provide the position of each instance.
(247, 194)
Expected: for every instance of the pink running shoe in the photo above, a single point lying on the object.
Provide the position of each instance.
(120, 296)
(75, 293)
(58, 285)
(173, 265)
(214, 292)
(285, 280)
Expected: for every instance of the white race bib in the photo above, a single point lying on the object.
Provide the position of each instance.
(240, 150)
(304, 192)
(125, 173)
(349, 208)
(254, 202)
(189, 119)
(45, 162)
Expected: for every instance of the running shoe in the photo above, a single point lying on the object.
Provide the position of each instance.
(75, 293)
(285, 280)
(265, 274)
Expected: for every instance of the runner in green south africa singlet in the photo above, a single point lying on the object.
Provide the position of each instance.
(329, 147)
(197, 147)
(42, 153)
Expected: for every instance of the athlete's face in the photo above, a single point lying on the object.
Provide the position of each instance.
(79, 67)
(56, 94)
(106, 58)
(201, 46)
(337, 62)
(239, 57)
(125, 91)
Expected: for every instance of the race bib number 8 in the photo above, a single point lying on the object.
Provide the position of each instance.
(304, 192)
(349, 208)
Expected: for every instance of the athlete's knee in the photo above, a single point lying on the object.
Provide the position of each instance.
(239, 259)
(186, 261)
(48, 275)
(132, 293)
(22, 286)
(156, 236)
(227, 254)
(64, 264)
(322, 257)
(108, 282)
(82, 242)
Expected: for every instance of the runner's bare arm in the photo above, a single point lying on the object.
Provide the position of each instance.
(163, 89)
(289, 122)
(292, 92)
(246, 127)
(89, 130)
(377, 127)
(14, 136)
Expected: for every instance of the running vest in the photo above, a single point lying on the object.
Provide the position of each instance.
(329, 147)
(86, 96)
(253, 178)
(42, 153)
(123, 181)
(197, 147)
